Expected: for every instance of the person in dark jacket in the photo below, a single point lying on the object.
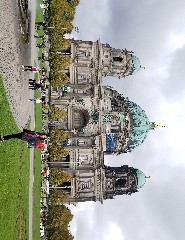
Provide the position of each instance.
(34, 84)
(29, 136)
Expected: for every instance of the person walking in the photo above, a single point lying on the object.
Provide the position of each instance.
(35, 100)
(30, 68)
(34, 85)
(41, 36)
(41, 24)
(29, 136)
(42, 45)
(39, 145)
(42, 57)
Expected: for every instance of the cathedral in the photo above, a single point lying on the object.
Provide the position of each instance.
(100, 121)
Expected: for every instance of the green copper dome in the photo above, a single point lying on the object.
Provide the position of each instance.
(141, 178)
(136, 124)
(139, 126)
(136, 65)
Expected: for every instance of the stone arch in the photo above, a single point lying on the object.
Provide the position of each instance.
(121, 182)
(80, 117)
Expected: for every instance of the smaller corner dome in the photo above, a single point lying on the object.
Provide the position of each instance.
(141, 178)
(136, 65)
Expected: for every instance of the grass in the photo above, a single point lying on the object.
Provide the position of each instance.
(38, 113)
(37, 154)
(37, 194)
(39, 12)
(37, 172)
(14, 191)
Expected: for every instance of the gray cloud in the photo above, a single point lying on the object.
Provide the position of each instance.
(174, 84)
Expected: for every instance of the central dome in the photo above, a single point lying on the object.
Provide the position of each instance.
(132, 122)
(139, 126)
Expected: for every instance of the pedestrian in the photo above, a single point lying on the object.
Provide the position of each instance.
(30, 68)
(37, 36)
(42, 57)
(38, 86)
(39, 145)
(29, 136)
(35, 85)
(35, 100)
(41, 24)
(42, 45)
(31, 83)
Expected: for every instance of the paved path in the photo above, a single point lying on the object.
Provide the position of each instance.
(13, 53)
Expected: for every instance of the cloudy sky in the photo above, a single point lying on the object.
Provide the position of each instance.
(155, 31)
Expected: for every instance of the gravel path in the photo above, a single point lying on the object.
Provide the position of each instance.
(13, 53)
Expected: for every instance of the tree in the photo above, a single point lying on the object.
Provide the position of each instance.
(57, 177)
(59, 216)
(57, 136)
(56, 152)
(59, 79)
(58, 42)
(59, 234)
(57, 197)
(56, 113)
(59, 62)
(57, 222)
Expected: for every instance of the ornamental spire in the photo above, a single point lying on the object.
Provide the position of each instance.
(154, 125)
(144, 67)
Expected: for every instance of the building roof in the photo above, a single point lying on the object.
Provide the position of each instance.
(136, 65)
(141, 178)
(139, 125)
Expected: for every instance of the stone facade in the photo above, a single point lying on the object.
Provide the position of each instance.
(98, 120)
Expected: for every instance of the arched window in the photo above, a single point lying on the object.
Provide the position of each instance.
(80, 119)
(81, 53)
(118, 59)
(121, 182)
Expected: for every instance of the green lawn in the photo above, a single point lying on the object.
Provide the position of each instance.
(14, 178)
(39, 13)
(37, 194)
(37, 154)
(37, 171)
(38, 113)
